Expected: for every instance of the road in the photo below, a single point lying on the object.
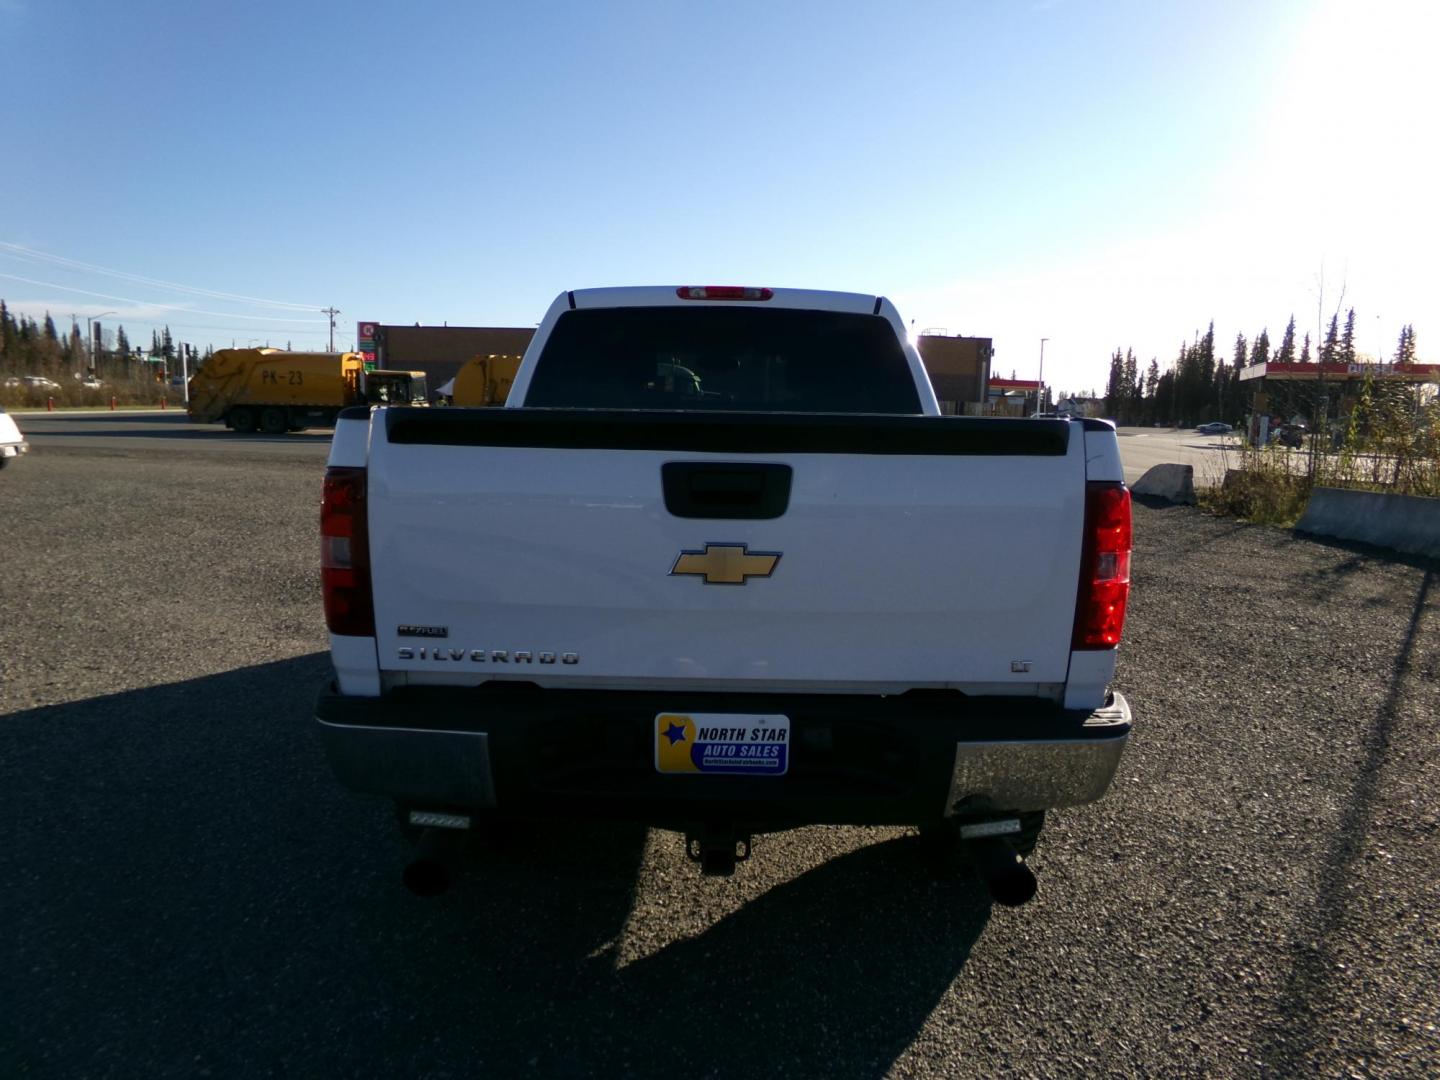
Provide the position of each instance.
(1140, 448)
(165, 432)
(188, 893)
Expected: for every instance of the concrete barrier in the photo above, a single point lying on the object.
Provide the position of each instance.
(1174, 483)
(1408, 523)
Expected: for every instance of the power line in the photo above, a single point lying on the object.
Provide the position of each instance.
(230, 329)
(162, 307)
(20, 251)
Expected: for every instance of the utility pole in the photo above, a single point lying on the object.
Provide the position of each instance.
(1040, 390)
(332, 312)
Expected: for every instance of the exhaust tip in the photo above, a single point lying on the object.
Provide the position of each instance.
(1014, 888)
(426, 877)
(1010, 881)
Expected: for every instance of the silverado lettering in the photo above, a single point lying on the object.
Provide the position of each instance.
(480, 656)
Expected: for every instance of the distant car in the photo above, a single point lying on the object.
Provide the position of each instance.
(1215, 427)
(39, 382)
(12, 443)
(91, 384)
(1291, 435)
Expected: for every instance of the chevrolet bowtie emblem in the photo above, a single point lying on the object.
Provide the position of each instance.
(726, 564)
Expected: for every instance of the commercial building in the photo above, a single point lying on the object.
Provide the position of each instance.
(959, 369)
(438, 351)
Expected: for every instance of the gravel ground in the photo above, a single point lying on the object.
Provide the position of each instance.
(187, 892)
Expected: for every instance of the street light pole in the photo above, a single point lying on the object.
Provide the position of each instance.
(1040, 390)
(90, 338)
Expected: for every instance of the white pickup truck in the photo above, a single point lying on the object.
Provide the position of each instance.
(721, 566)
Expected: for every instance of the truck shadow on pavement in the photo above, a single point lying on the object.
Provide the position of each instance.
(1310, 990)
(194, 892)
(831, 973)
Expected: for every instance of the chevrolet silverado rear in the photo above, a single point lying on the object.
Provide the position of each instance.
(721, 566)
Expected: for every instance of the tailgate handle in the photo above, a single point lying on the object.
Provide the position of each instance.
(722, 490)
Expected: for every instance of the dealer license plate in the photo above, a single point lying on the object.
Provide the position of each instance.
(731, 743)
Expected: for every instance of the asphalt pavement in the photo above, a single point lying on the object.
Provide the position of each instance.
(187, 892)
(1209, 455)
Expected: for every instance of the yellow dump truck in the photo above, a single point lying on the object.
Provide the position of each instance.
(275, 391)
(484, 380)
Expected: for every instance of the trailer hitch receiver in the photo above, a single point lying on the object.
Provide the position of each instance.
(717, 847)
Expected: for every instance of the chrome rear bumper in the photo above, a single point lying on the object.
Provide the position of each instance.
(1037, 774)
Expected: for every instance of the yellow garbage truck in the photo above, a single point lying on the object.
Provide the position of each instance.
(275, 391)
(484, 380)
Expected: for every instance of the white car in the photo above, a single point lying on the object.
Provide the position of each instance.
(12, 443)
(39, 382)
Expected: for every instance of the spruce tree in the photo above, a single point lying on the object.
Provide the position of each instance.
(122, 343)
(1305, 352)
(1204, 388)
(1165, 397)
(1242, 352)
(1130, 386)
(1233, 396)
(1347, 340)
(50, 333)
(1405, 350)
(1260, 351)
(1112, 384)
(1331, 346)
(1286, 355)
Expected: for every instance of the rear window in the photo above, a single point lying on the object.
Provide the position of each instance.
(740, 358)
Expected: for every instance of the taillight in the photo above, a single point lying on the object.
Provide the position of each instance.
(1104, 567)
(723, 292)
(345, 554)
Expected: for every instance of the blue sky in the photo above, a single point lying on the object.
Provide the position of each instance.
(1100, 174)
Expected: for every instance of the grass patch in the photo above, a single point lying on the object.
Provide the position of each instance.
(1261, 491)
(139, 394)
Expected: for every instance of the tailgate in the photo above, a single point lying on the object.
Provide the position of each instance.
(907, 552)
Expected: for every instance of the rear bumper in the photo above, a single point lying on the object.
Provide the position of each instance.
(854, 759)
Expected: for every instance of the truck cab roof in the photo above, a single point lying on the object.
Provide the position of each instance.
(681, 295)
